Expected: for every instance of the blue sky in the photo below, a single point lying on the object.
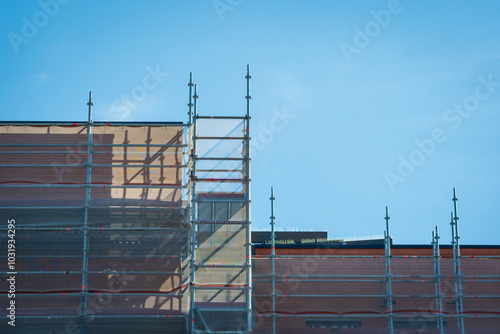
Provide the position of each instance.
(355, 104)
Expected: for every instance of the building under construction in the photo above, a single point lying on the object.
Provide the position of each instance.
(145, 227)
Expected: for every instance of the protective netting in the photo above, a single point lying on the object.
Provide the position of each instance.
(220, 148)
(150, 266)
(481, 289)
(348, 288)
(222, 274)
(131, 165)
(307, 287)
(414, 290)
(103, 220)
(114, 211)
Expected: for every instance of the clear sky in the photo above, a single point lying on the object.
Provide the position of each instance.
(355, 104)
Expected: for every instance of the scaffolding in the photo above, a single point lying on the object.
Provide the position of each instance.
(147, 226)
(369, 290)
(123, 224)
(100, 223)
(219, 191)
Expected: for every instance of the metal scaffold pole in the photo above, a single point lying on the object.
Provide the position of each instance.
(194, 214)
(248, 211)
(434, 263)
(437, 280)
(387, 243)
(454, 254)
(273, 256)
(88, 194)
(458, 267)
(190, 104)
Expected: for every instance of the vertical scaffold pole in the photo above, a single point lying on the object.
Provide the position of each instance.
(273, 254)
(437, 285)
(187, 278)
(88, 194)
(387, 238)
(453, 244)
(434, 262)
(194, 215)
(247, 205)
(190, 104)
(191, 213)
(459, 269)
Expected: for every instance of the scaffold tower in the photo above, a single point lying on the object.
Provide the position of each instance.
(219, 172)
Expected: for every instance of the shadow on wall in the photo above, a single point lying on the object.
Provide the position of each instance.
(125, 159)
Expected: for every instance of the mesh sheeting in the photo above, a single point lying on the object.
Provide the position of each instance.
(96, 325)
(138, 272)
(479, 291)
(413, 291)
(221, 277)
(222, 245)
(221, 175)
(221, 321)
(66, 172)
(121, 217)
(220, 128)
(318, 294)
(137, 242)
